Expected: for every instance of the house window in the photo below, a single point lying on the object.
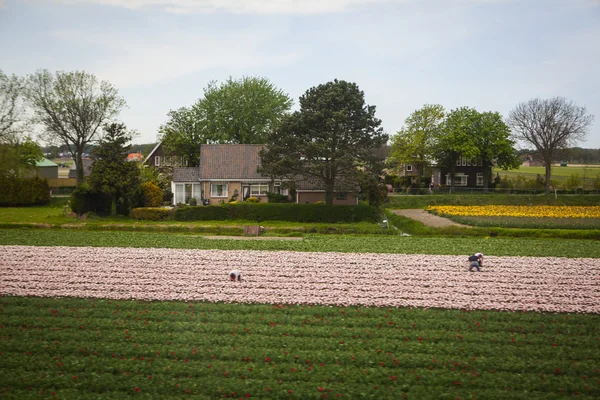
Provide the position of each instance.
(277, 187)
(259, 189)
(469, 162)
(463, 161)
(480, 179)
(341, 196)
(409, 168)
(157, 161)
(219, 190)
(459, 180)
(185, 191)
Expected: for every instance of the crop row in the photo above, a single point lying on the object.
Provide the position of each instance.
(344, 279)
(519, 211)
(96, 348)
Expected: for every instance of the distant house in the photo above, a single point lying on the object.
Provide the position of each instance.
(528, 161)
(229, 171)
(158, 158)
(468, 173)
(135, 157)
(46, 169)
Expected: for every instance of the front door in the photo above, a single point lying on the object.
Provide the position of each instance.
(245, 192)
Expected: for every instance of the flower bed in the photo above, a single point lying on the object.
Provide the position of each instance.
(519, 211)
(345, 279)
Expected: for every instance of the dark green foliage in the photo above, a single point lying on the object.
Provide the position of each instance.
(23, 191)
(279, 212)
(329, 140)
(111, 173)
(150, 213)
(277, 198)
(84, 200)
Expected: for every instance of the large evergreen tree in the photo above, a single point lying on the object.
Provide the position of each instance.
(110, 173)
(330, 139)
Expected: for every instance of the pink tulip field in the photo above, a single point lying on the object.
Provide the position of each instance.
(548, 284)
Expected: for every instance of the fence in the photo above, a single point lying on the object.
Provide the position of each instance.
(492, 191)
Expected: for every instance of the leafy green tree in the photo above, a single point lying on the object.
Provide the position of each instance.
(19, 156)
(456, 139)
(494, 144)
(110, 173)
(72, 107)
(415, 142)
(330, 139)
(12, 107)
(549, 125)
(243, 111)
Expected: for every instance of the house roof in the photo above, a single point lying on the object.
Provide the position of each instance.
(152, 152)
(230, 161)
(190, 174)
(44, 162)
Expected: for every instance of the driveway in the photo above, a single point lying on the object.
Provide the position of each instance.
(428, 219)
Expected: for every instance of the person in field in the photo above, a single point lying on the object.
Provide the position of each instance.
(476, 261)
(235, 275)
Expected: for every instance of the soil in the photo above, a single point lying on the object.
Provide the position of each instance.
(428, 219)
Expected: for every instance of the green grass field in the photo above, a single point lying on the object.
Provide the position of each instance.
(499, 246)
(91, 349)
(558, 173)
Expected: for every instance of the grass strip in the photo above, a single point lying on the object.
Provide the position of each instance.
(498, 246)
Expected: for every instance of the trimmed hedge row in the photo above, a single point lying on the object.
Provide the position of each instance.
(24, 191)
(324, 213)
(150, 213)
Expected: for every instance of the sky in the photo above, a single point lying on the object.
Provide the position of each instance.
(486, 54)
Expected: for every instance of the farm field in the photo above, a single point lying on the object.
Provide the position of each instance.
(558, 173)
(117, 344)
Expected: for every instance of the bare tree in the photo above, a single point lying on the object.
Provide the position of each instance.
(12, 110)
(550, 125)
(72, 107)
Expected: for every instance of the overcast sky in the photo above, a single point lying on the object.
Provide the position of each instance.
(160, 54)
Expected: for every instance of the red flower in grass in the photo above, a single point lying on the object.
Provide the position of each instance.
(268, 389)
(320, 389)
(394, 377)
(267, 359)
(137, 389)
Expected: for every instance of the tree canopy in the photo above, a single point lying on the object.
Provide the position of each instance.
(329, 140)
(240, 111)
(110, 173)
(12, 107)
(415, 143)
(71, 107)
(549, 125)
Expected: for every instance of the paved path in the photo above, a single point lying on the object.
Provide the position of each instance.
(427, 218)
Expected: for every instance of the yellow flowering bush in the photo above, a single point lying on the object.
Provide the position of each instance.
(519, 211)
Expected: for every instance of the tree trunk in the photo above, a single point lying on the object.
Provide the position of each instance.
(329, 194)
(79, 167)
(548, 166)
(113, 205)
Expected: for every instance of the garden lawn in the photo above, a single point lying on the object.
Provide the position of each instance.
(90, 349)
(314, 243)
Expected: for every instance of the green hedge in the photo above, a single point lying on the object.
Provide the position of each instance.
(23, 191)
(324, 213)
(150, 213)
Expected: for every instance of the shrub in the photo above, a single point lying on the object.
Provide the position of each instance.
(193, 201)
(252, 200)
(24, 192)
(152, 195)
(150, 213)
(325, 213)
(84, 200)
(319, 202)
(276, 198)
